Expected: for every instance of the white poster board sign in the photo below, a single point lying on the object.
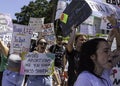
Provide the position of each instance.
(48, 33)
(38, 64)
(5, 23)
(36, 23)
(104, 8)
(21, 38)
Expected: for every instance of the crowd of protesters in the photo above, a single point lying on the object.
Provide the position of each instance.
(78, 62)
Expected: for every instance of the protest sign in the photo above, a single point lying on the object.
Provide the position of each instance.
(48, 33)
(36, 23)
(38, 64)
(6, 38)
(74, 14)
(5, 23)
(21, 38)
(60, 8)
(103, 8)
(47, 29)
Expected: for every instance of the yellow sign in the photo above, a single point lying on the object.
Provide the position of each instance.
(64, 18)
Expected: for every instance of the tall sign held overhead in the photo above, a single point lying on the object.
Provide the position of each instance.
(74, 14)
(5, 23)
(21, 38)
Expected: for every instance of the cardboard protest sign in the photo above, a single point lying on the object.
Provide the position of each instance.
(5, 23)
(21, 38)
(74, 14)
(38, 64)
(36, 23)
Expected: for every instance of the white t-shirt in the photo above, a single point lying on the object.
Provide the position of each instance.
(88, 79)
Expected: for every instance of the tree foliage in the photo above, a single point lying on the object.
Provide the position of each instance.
(36, 9)
(39, 9)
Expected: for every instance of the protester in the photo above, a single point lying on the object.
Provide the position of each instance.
(59, 50)
(12, 76)
(73, 55)
(4, 50)
(40, 80)
(95, 63)
(97, 60)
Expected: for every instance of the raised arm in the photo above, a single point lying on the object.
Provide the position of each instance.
(72, 39)
(4, 49)
(115, 32)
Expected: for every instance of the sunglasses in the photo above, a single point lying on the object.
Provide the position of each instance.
(42, 43)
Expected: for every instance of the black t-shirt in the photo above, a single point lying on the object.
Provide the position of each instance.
(73, 59)
(59, 53)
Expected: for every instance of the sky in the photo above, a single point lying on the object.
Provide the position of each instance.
(12, 6)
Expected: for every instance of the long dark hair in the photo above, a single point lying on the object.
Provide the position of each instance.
(87, 50)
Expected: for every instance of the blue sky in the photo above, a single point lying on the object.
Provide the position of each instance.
(12, 6)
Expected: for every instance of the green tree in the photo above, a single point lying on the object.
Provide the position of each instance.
(39, 9)
(36, 9)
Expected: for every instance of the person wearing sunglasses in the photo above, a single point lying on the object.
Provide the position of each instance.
(40, 80)
(41, 45)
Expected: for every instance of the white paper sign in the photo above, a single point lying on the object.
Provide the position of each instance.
(48, 33)
(38, 64)
(36, 23)
(104, 8)
(5, 23)
(21, 38)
